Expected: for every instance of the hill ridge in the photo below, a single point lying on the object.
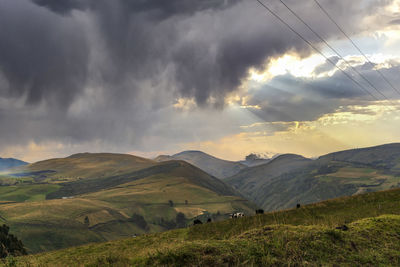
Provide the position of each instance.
(214, 166)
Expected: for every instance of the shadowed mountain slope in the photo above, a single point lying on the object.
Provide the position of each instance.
(291, 179)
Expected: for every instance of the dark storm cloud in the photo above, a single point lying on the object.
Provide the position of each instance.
(35, 57)
(108, 70)
(160, 7)
(207, 46)
(62, 7)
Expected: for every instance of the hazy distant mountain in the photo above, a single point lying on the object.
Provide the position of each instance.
(8, 163)
(290, 179)
(212, 165)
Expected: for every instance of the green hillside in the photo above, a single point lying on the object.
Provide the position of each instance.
(212, 165)
(291, 179)
(384, 157)
(84, 165)
(60, 203)
(297, 237)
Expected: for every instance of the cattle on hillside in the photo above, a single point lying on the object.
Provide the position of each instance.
(237, 215)
(197, 221)
(260, 211)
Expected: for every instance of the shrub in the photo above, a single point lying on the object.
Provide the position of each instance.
(10, 245)
(139, 221)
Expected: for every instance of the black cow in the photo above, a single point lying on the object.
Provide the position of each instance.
(343, 227)
(260, 211)
(298, 206)
(209, 220)
(197, 221)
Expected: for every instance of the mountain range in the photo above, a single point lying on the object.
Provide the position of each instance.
(95, 197)
(286, 180)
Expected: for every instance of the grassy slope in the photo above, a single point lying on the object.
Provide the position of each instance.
(89, 165)
(288, 179)
(26, 192)
(58, 223)
(305, 236)
(386, 157)
(109, 202)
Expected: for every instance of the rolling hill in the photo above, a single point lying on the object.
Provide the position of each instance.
(9, 163)
(384, 157)
(216, 167)
(290, 179)
(87, 198)
(361, 230)
(87, 165)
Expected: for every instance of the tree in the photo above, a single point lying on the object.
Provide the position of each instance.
(171, 203)
(86, 221)
(10, 245)
(180, 220)
(139, 221)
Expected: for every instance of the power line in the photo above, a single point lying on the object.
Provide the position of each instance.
(354, 44)
(316, 49)
(333, 49)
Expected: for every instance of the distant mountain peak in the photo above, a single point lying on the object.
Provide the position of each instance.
(212, 165)
(9, 163)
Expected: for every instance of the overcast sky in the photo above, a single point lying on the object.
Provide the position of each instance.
(152, 77)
